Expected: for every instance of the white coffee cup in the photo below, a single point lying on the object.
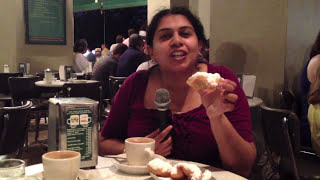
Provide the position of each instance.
(139, 150)
(61, 165)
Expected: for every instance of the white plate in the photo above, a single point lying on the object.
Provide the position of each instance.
(124, 167)
(159, 178)
(121, 163)
(39, 176)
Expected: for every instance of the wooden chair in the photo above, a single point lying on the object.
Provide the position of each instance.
(282, 140)
(14, 124)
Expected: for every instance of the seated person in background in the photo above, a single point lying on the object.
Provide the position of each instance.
(119, 39)
(133, 57)
(105, 50)
(91, 57)
(211, 126)
(80, 63)
(130, 32)
(305, 87)
(97, 53)
(314, 101)
(108, 66)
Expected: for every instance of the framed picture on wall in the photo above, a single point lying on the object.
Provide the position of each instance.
(45, 21)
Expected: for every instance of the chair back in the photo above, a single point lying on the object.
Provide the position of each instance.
(281, 135)
(92, 90)
(115, 84)
(14, 124)
(24, 88)
(4, 88)
(288, 101)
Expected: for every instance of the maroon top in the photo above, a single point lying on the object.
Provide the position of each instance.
(192, 138)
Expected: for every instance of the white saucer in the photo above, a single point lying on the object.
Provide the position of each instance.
(124, 167)
(39, 176)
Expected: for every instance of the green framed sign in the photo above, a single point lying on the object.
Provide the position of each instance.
(45, 21)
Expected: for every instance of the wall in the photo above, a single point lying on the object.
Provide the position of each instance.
(201, 8)
(303, 27)
(8, 34)
(13, 46)
(250, 37)
(155, 5)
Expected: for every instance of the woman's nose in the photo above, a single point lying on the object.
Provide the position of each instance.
(176, 41)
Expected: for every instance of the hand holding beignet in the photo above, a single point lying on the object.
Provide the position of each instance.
(216, 92)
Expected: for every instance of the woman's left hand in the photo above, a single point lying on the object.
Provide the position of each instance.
(219, 100)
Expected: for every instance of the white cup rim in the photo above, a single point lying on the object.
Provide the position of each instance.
(130, 142)
(65, 159)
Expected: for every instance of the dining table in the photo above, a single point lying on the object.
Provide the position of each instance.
(56, 85)
(107, 168)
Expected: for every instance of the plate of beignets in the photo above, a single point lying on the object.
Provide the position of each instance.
(172, 170)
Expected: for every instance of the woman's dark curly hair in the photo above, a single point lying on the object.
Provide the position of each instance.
(80, 45)
(197, 26)
(316, 47)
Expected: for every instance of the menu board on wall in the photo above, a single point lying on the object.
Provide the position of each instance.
(45, 21)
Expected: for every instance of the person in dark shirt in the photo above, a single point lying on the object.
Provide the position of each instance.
(108, 66)
(133, 57)
(91, 57)
(211, 126)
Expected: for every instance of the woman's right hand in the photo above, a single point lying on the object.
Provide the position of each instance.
(162, 147)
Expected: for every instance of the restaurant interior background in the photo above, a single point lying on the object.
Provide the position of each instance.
(268, 38)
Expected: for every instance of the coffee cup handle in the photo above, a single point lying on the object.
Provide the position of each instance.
(89, 119)
(150, 153)
(68, 121)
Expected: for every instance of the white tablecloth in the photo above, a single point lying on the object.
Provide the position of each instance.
(107, 170)
(56, 83)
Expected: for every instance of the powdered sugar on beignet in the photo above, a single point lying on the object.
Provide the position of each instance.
(204, 80)
(159, 167)
(191, 171)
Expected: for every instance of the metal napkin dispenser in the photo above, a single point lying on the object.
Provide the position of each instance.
(73, 125)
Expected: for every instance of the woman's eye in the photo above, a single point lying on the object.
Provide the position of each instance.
(185, 34)
(165, 36)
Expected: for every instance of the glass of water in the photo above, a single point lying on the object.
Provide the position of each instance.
(12, 169)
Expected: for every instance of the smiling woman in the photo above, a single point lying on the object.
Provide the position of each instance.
(211, 126)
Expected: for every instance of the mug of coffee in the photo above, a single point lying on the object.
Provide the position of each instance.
(139, 150)
(61, 165)
(73, 120)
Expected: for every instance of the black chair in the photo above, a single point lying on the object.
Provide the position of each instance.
(288, 101)
(115, 84)
(92, 90)
(24, 89)
(282, 140)
(4, 88)
(14, 124)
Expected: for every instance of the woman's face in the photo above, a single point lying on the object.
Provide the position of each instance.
(175, 44)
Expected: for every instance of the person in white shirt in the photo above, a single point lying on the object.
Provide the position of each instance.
(80, 63)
